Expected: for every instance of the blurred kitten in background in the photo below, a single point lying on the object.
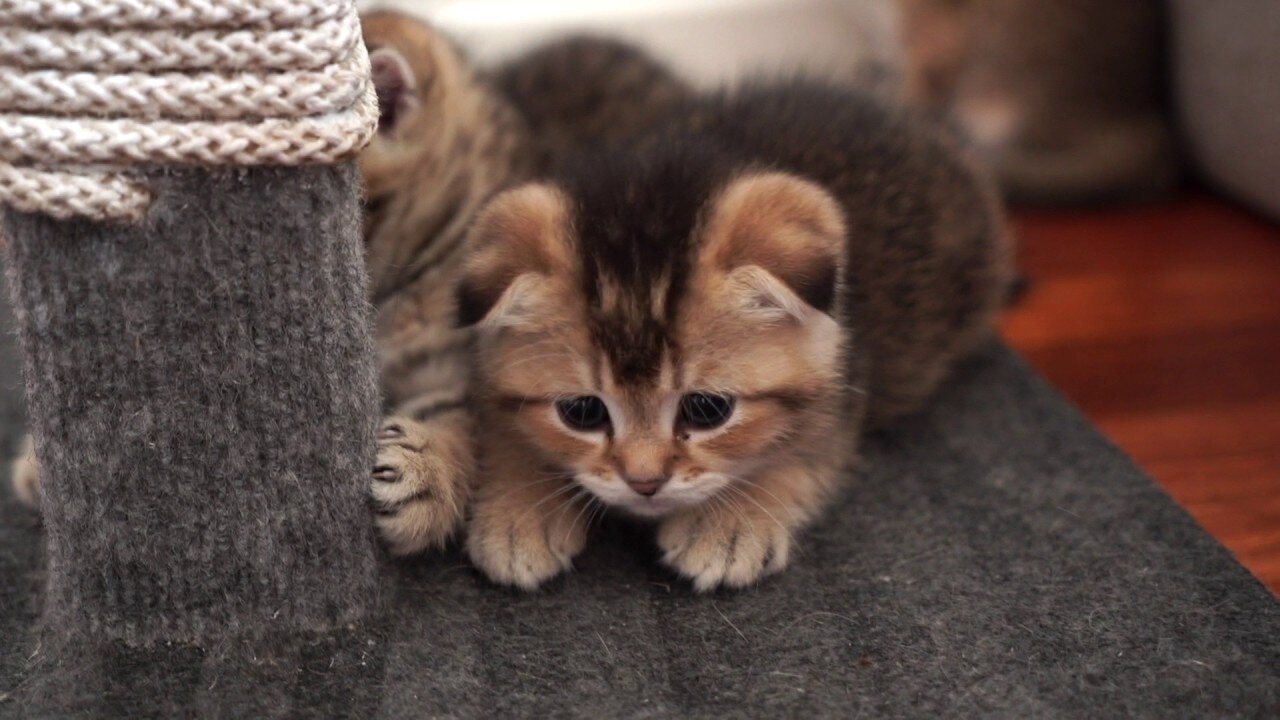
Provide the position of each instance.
(1066, 97)
(586, 92)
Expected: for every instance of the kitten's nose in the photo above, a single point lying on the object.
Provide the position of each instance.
(646, 486)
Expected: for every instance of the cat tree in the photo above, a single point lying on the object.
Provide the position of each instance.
(184, 256)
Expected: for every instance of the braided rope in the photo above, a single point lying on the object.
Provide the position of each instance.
(170, 14)
(143, 50)
(273, 141)
(84, 193)
(179, 95)
(288, 85)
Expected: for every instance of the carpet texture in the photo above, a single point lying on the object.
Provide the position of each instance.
(997, 558)
(203, 405)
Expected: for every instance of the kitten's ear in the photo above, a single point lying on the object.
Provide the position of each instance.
(520, 239)
(397, 88)
(791, 229)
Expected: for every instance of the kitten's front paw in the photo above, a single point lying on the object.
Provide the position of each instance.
(26, 474)
(525, 545)
(720, 546)
(420, 483)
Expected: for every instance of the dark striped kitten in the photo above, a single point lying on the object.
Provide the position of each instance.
(696, 328)
(446, 144)
(586, 92)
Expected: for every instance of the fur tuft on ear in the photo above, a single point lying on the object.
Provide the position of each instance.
(765, 297)
(396, 86)
(520, 239)
(791, 229)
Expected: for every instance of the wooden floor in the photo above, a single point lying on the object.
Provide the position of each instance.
(1163, 325)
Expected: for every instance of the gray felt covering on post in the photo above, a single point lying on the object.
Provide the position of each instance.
(997, 559)
(203, 398)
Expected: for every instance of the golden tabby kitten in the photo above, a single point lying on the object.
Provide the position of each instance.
(695, 329)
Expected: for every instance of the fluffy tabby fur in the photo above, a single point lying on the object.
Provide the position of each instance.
(446, 145)
(815, 256)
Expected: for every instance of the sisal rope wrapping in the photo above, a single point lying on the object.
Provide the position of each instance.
(272, 141)
(180, 96)
(84, 193)
(104, 89)
(143, 50)
(170, 14)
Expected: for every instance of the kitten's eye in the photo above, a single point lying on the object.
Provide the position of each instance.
(583, 413)
(704, 411)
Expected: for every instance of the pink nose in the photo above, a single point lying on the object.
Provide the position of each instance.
(647, 487)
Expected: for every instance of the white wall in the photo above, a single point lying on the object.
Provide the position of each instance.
(708, 41)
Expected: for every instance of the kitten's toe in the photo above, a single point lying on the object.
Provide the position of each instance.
(723, 549)
(418, 485)
(516, 548)
(26, 475)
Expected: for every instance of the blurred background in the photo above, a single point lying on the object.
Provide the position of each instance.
(1138, 144)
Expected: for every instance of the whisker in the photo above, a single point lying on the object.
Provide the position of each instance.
(709, 505)
(599, 513)
(564, 506)
(744, 494)
(758, 486)
(529, 359)
(561, 491)
(569, 530)
(739, 509)
(525, 486)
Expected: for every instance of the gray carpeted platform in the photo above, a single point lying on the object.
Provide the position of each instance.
(998, 558)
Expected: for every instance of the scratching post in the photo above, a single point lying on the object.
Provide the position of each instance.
(182, 245)
(202, 402)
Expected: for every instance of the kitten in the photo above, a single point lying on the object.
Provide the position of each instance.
(585, 92)
(1066, 97)
(451, 136)
(695, 329)
(446, 143)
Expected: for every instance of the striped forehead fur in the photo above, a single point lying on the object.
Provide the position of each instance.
(636, 220)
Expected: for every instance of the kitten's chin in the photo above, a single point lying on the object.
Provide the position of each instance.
(626, 501)
(648, 508)
(677, 495)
